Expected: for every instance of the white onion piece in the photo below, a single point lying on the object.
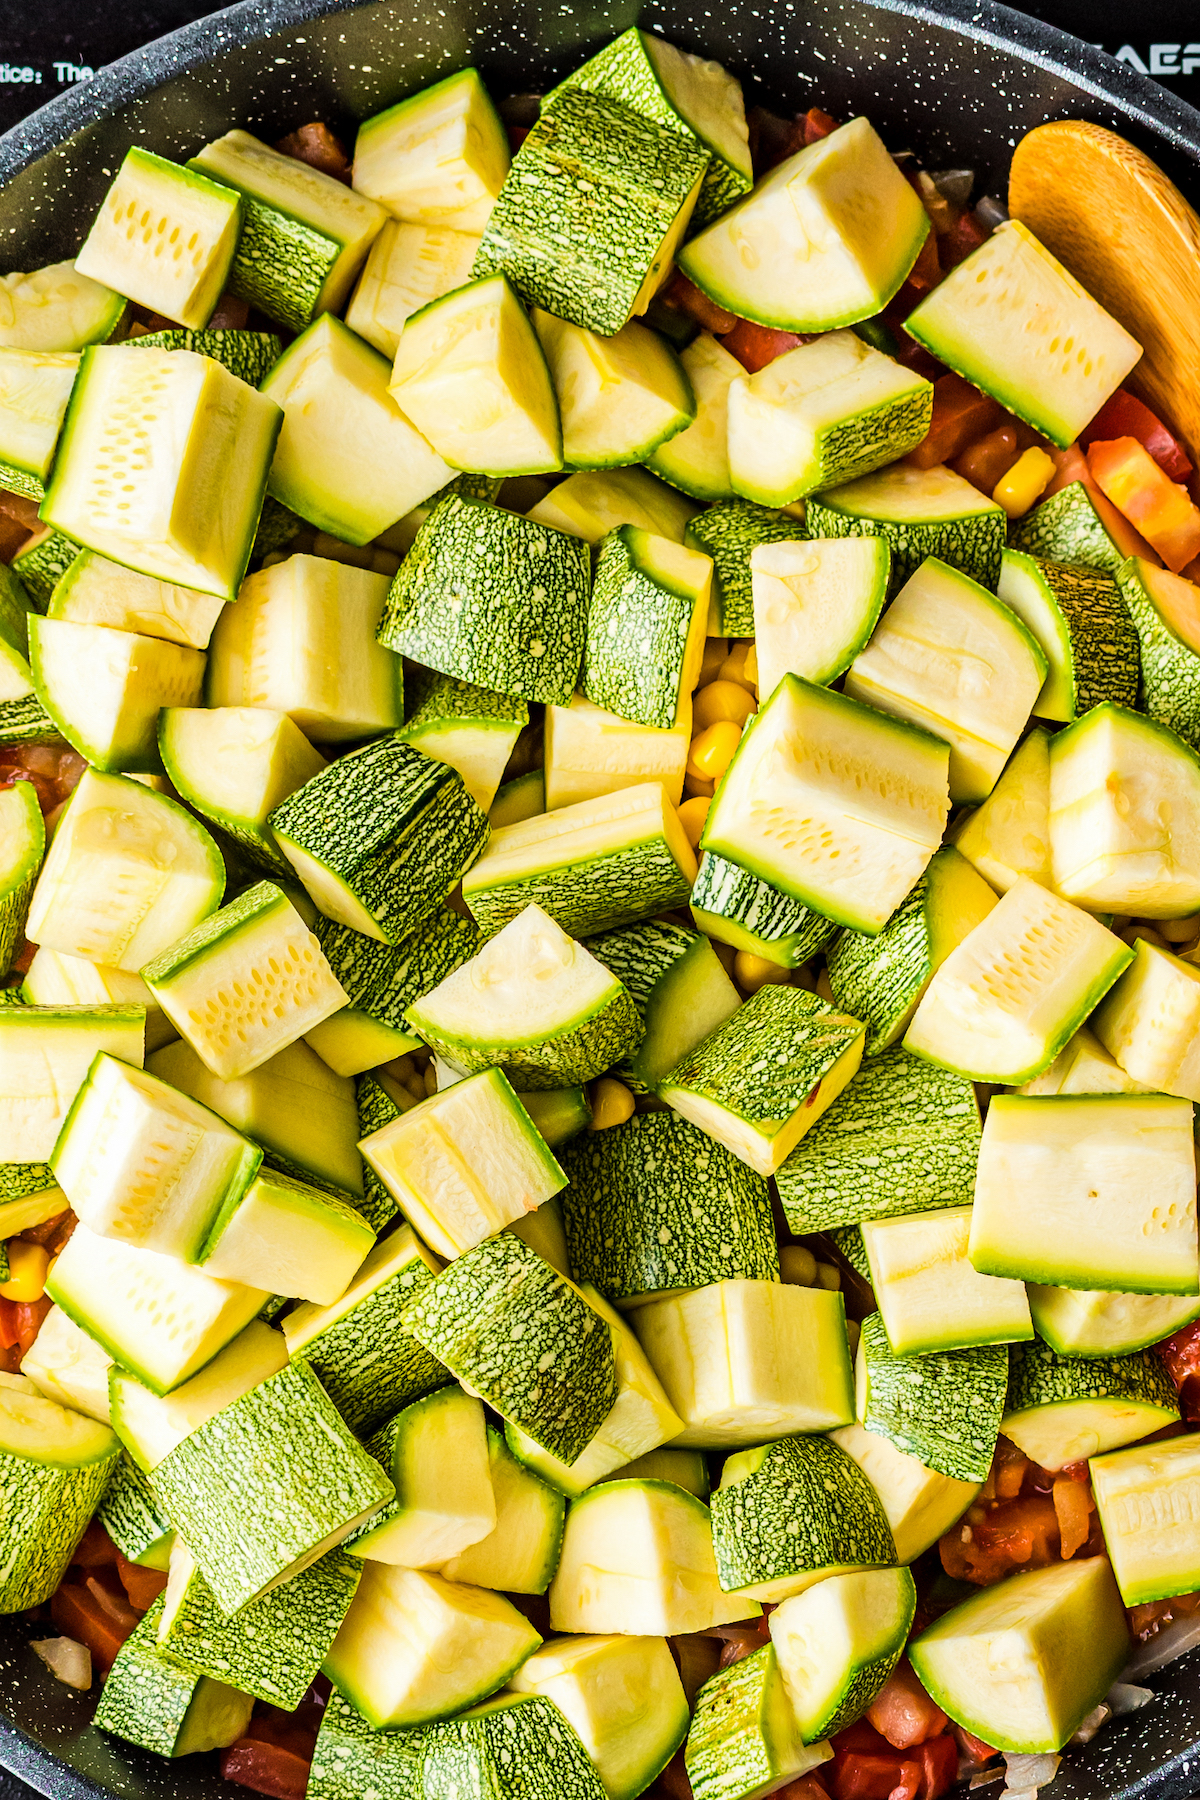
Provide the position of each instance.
(67, 1661)
(1124, 1698)
(1099, 1715)
(1163, 1647)
(1026, 1774)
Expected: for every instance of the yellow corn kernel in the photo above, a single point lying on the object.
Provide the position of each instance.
(1024, 483)
(715, 652)
(721, 700)
(695, 789)
(797, 1265)
(27, 1266)
(692, 815)
(753, 972)
(711, 751)
(612, 1104)
(828, 1277)
(1179, 931)
(734, 667)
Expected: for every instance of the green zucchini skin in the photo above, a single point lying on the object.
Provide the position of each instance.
(246, 354)
(148, 1698)
(741, 909)
(132, 1517)
(516, 1747)
(729, 532)
(46, 1512)
(1066, 528)
(376, 1108)
(948, 1418)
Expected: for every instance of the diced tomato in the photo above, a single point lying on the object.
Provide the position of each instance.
(1124, 415)
(47, 1230)
(1161, 509)
(95, 1549)
(972, 1746)
(13, 537)
(937, 1760)
(961, 414)
(686, 297)
(1021, 1533)
(1009, 1470)
(773, 139)
(107, 1589)
(965, 235)
(757, 345)
(80, 1615)
(8, 1325)
(816, 125)
(267, 1768)
(989, 458)
(902, 1711)
(1180, 1353)
(854, 1775)
(1072, 1506)
(142, 1585)
(10, 1360)
(28, 1321)
(316, 145)
(808, 1787)
(20, 508)
(926, 272)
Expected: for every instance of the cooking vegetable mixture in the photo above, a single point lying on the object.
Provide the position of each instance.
(600, 901)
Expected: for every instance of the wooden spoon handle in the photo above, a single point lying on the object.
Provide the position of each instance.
(1125, 231)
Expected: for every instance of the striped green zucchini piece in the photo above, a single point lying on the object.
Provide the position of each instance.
(920, 512)
(41, 563)
(366, 1361)
(262, 1489)
(730, 532)
(743, 1739)
(376, 1108)
(471, 728)
(1067, 528)
(944, 1408)
(1170, 685)
(351, 1759)
(838, 1643)
(679, 986)
(277, 526)
(517, 1333)
(383, 979)
(246, 354)
(150, 1700)
(902, 1137)
(22, 846)
(645, 631)
(493, 598)
(380, 837)
(272, 1648)
(54, 1466)
(790, 1513)
(593, 207)
(1082, 622)
(1064, 1409)
(738, 908)
(636, 1225)
(515, 1747)
(133, 1518)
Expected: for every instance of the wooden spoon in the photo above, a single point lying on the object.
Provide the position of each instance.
(1126, 232)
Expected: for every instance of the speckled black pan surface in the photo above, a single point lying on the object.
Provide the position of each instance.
(957, 82)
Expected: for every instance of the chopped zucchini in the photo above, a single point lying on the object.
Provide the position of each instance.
(438, 157)
(645, 629)
(68, 1366)
(1144, 1498)
(471, 728)
(744, 1737)
(735, 907)
(815, 606)
(590, 505)
(920, 513)
(730, 532)
(235, 764)
(929, 1295)
(56, 979)
(407, 266)
(1163, 608)
(54, 1466)
(678, 984)
(1085, 1066)
(435, 1452)
(1150, 1021)
(1064, 1409)
(838, 1642)
(624, 1698)
(590, 753)
(22, 847)
(34, 389)
(696, 459)
(150, 1700)
(104, 689)
(95, 591)
(1009, 835)
(287, 1237)
(1083, 626)
(520, 1554)
(920, 1503)
(45, 1055)
(621, 398)
(57, 308)
(151, 1425)
(1083, 1322)
(943, 1408)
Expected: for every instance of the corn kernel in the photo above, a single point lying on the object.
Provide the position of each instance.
(715, 652)
(1025, 482)
(734, 666)
(1179, 931)
(797, 1265)
(711, 751)
(829, 1277)
(692, 815)
(612, 1104)
(27, 1266)
(721, 700)
(753, 972)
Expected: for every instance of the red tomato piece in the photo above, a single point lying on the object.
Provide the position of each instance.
(989, 458)
(965, 235)
(855, 1775)
(903, 1712)
(28, 1321)
(961, 414)
(1124, 415)
(937, 1760)
(143, 1586)
(267, 1768)
(95, 1549)
(79, 1615)
(8, 1324)
(817, 125)
(686, 297)
(1161, 509)
(757, 345)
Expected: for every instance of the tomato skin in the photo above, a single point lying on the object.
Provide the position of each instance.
(1124, 415)
(961, 414)
(938, 1762)
(757, 345)
(143, 1586)
(1021, 1533)
(902, 1711)
(8, 1324)
(28, 1321)
(1180, 1353)
(80, 1615)
(856, 1775)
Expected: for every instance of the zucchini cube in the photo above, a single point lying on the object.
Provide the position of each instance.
(730, 531)
(45, 1054)
(148, 1166)
(67, 1365)
(902, 1137)
(414, 1648)
(920, 1503)
(34, 389)
(471, 376)
(1067, 1409)
(95, 591)
(592, 866)
(358, 833)
(532, 1002)
(288, 1237)
(812, 1052)
(22, 847)
(592, 211)
(348, 460)
(620, 398)
(150, 1700)
(520, 1554)
(151, 1425)
(42, 562)
(816, 604)
(834, 1519)
(1088, 1191)
(302, 1114)
(744, 1735)
(128, 1513)
(105, 688)
(966, 1658)
(638, 1559)
(436, 1453)
(735, 907)
(1077, 525)
(263, 1489)
(1144, 1498)
(246, 354)
(524, 1339)
(492, 598)
(822, 414)
(465, 1163)
(408, 266)
(1093, 1322)
(633, 1226)
(978, 699)
(165, 236)
(194, 449)
(274, 1647)
(1009, 835)
(23, 718)
(54, 1466)
(621, 1695)
(438, 158)
(646, 625)
(918, 513)
(678, 984)
(471, 728)
(514, 1745)
(305, 234)
(696, 459)
(235, 764)
(588, 753)
(743, 1360)
(943, 1407)
(1150, 1022)
(591, 505)
(930, 1296)
(301, 641)
(366, 1361)
(56, 308)
(1162, 608)
(838, 1642)
(246, 983)
(1081, 620)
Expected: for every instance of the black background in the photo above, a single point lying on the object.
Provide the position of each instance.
(50, 45)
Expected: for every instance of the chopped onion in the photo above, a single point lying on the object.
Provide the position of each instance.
(1099, 1715)
(1123, 1697)
(990, 211)
(1026, 1774)
(67, 1661)
(1180, 1635)
(954, 184)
